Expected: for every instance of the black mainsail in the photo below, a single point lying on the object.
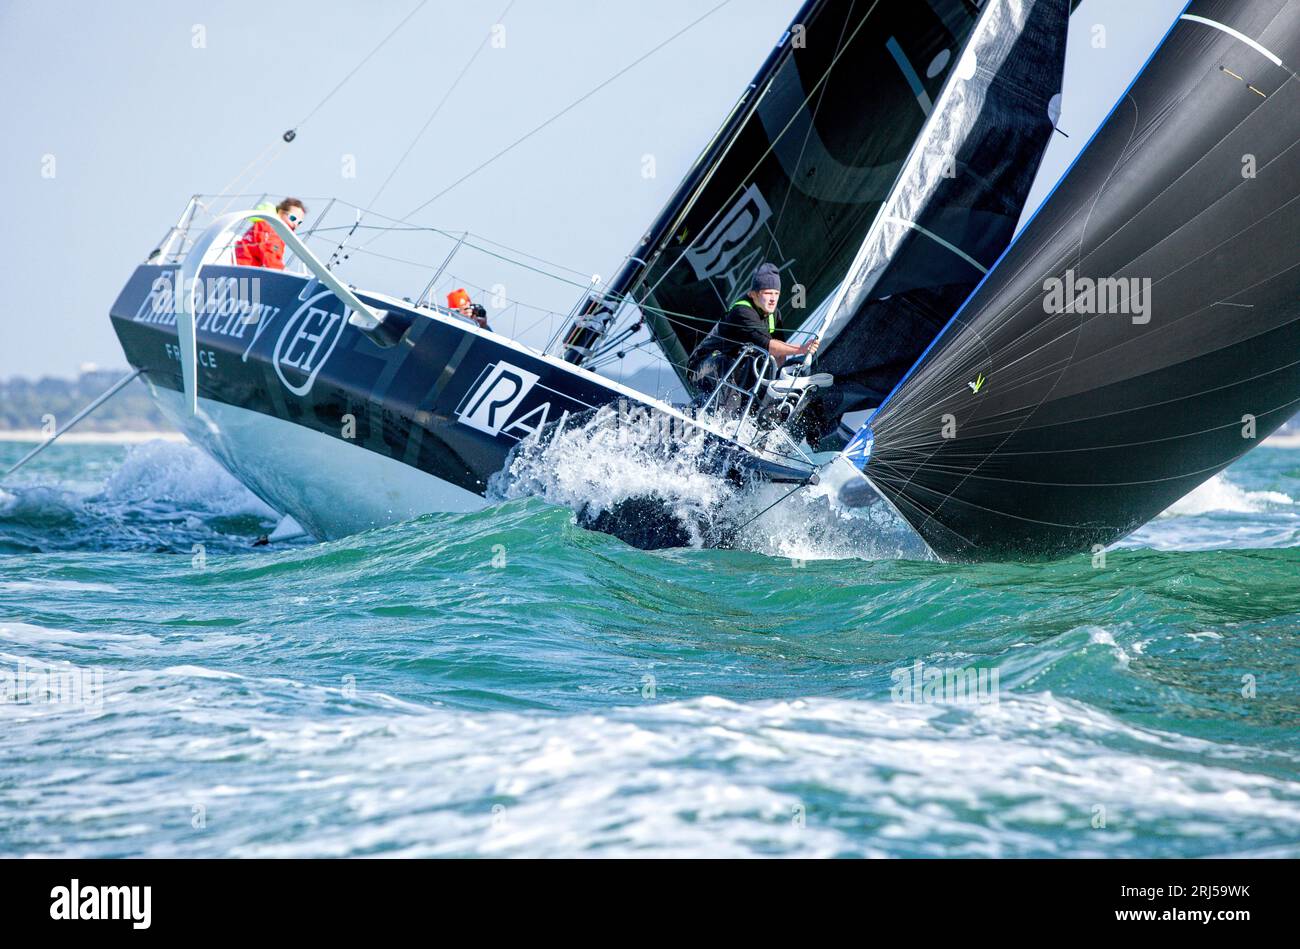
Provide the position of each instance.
(796, 174)
(1143, 331)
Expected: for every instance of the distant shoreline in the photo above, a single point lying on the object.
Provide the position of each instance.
(91, 438)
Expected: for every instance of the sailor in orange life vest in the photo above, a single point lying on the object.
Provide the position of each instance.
(261, 246)
(458, 302)
(752, 319)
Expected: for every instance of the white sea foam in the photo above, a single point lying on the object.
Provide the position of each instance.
(1283, 440)
(1220, 494)
(1028, 776)
(32, 634)
(55, 586)
(90, 438)
(199, 672)
(176, 474)
(810, 525)
(184, 476)
(594, 466)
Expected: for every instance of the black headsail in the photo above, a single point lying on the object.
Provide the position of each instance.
(798, 171)
(1143, 331)
(955, 206)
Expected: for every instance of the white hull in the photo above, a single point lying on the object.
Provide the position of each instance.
(332, 488)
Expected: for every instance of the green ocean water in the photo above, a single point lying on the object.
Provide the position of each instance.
(505, 683)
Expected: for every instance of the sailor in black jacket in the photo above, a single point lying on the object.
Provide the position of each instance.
(750, 320)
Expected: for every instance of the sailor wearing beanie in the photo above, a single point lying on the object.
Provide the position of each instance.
(751, 320)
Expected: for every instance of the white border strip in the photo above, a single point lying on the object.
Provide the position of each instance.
(1233, 33)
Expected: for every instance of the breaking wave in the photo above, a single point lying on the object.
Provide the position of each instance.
(182, 477)
(1220, 494)
(163, 496)
(596, 465)
(613, 462)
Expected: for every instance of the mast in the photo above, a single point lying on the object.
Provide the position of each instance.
(597, 313)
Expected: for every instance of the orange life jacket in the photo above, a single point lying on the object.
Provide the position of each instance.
(260, 247)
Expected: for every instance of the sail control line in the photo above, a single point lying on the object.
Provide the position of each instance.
(210, 245)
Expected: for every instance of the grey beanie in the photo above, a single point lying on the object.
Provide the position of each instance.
(766, 277)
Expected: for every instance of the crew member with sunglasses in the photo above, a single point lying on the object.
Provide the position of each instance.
(261, 246)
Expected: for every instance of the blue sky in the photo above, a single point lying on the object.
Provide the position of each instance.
(143, 103)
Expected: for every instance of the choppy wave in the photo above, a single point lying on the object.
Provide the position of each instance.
(193, 749)
(1220, 494)
(1225, 514)
(161, 495)
(506, 683)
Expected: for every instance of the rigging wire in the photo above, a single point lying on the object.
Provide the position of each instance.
(684, 320)
(279, 149)
(292, 132)
(442, 102)
(269, 162)
(671, 317)
(453, 277)
(567, 109)
(816, 91)
(235, 180)
(789, 494)
(803, 149)
(772, 146)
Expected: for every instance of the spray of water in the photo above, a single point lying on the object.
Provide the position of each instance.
(597, 464)
(162, 496)
(600, 464)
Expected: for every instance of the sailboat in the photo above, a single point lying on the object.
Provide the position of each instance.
(348, 409)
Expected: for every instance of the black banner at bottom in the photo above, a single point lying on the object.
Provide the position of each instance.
(336, 898)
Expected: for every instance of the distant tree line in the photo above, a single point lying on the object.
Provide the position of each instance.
(24, 403)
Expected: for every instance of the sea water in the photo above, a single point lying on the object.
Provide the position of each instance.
(506, 683)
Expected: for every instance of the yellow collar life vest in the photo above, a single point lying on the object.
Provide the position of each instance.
(771, 317)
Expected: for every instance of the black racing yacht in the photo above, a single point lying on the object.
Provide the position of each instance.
(347, 408)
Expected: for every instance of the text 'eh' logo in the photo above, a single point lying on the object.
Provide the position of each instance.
(305, 344)
(492, 402)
